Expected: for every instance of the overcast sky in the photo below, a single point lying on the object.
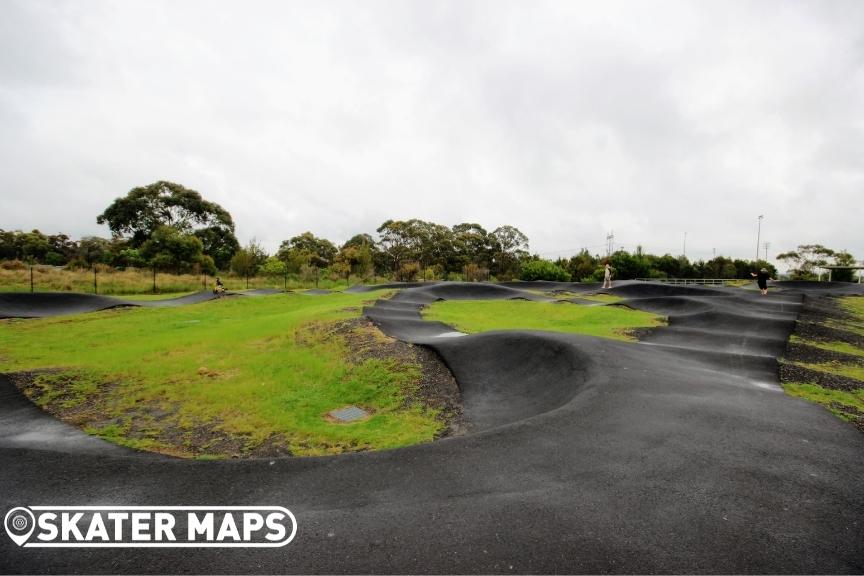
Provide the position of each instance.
(565, 119)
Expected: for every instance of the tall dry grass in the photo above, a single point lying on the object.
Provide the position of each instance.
(16, 277)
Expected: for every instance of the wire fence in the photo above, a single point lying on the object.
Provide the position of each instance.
(108, 281)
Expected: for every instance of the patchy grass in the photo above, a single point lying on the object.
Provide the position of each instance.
(839, 371)
(842, 347)
(481, 316)
(848, 405)
(218, 379)
(854, 305)
(840, 368)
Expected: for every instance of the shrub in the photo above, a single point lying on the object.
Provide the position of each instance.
(544, 270)
(13, 265)
(475, 273)
(408, 272)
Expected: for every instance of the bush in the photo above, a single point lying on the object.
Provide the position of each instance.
(475, 273)
(408, 272)
(13, 265)
(544, 270)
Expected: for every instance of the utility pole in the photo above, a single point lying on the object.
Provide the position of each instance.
(758, 235)
(610, 243)
(767, 245)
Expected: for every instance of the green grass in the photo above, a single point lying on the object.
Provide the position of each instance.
(855, 306)
(256, 368)
(481, 316)
(846, 405)
(603, 298)
(152, 297)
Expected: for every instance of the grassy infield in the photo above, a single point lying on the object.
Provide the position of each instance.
(261, 368)
(258, 369)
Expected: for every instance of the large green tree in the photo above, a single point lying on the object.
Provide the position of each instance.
(169, 249)
(143, 210)
(509, 248)
(306, 249)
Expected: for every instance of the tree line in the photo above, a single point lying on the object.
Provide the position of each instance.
(171, 228)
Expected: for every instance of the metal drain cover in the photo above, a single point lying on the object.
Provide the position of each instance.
(349, 414)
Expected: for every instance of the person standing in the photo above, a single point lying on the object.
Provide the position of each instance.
(607, 276)
(762, 278)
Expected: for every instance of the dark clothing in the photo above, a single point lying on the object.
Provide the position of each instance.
(762, 280)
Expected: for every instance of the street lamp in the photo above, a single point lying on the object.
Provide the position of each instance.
(758, 236)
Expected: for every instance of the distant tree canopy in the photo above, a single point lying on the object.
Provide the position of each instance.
(306, 250)
(34, 246)
(182, 232)
(408, 244)
(804, 262)
(136, 217)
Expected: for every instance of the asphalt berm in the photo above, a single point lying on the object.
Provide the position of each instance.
(677, 454)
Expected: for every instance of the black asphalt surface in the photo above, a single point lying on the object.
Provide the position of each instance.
(679, 454)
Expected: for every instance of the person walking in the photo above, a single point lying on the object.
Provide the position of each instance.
(607, 276)
(762, 278)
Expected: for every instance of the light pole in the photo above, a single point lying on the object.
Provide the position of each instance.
(758, 236)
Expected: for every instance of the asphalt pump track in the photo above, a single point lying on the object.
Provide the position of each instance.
(676, 454)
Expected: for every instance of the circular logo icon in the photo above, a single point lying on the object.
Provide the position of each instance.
(19, 523)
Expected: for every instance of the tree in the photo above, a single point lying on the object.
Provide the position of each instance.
(353, 259)
(143, 210)
(169, 249)
(249, 259)
(510, 247)
(472, 244)
(219, 243)
(544, 270)
(843, 258)
(399, 242)
(627, 266)
(306, 250)
(364, 243)
(92, 249)
(274, 267)
(805, 259)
